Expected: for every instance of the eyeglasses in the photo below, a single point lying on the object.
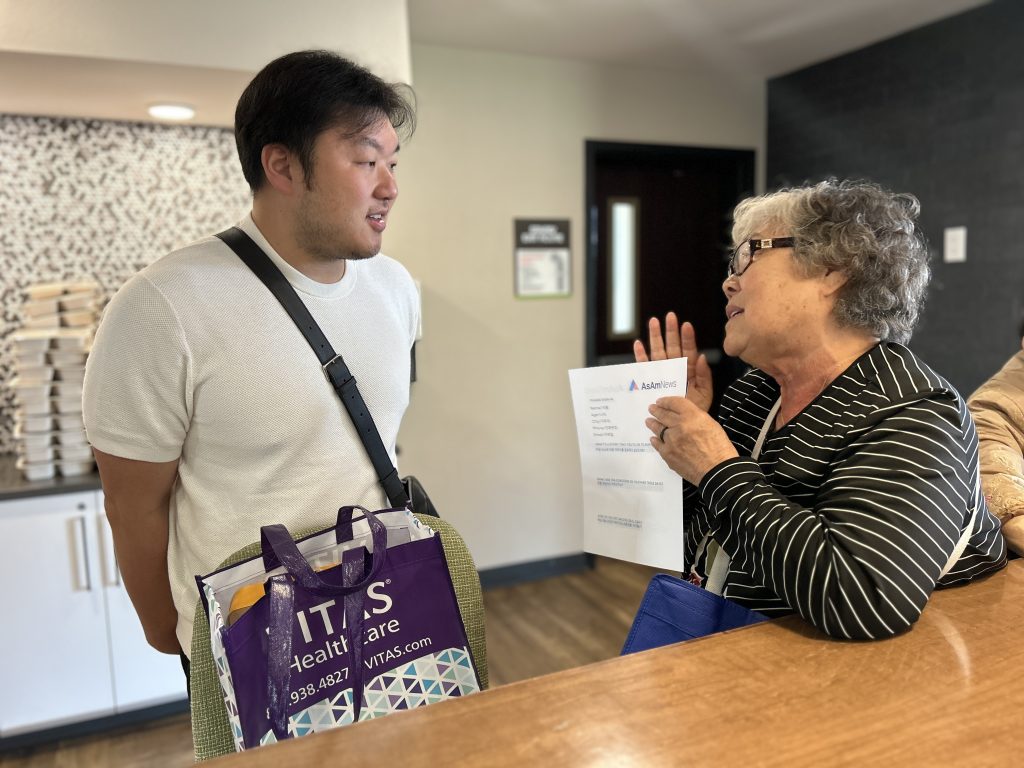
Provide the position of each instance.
(743, 256)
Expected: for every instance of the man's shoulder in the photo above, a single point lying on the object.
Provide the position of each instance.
(199, 274)
(206, 253)
(383, 275)
(385, 267)
(206, 266)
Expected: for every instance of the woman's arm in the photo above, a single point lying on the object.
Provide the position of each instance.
(864, 560)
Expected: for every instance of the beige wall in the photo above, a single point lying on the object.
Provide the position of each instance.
(110, 59)
(221, 34)
(490, 430)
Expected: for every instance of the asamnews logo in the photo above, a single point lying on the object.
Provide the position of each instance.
(643, 385)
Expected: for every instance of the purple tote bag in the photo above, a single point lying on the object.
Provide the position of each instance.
(377, 633)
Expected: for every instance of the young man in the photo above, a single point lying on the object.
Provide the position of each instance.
(207, 410)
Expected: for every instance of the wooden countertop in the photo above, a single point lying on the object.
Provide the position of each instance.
(948, 692)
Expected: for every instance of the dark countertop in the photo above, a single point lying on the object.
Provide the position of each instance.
(13, 484)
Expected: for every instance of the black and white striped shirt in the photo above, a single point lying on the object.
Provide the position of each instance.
(855, 505)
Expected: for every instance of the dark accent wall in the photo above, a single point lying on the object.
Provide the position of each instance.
(938, 112)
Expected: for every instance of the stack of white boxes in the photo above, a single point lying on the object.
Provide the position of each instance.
(49, 363)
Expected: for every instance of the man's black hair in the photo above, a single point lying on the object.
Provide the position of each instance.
(296, 97)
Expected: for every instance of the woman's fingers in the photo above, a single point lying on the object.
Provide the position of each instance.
(639, 352)
(657, 344)
(673, 348)
(688, 341)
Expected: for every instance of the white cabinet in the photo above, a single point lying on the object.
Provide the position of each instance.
(71, 648)
(142, 676)
(53, 650)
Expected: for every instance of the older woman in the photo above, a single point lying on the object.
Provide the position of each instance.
(842, 482)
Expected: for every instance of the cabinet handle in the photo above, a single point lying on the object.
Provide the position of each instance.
(111, 573)
(82, 561)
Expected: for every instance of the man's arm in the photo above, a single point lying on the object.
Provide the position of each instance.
(137, 500)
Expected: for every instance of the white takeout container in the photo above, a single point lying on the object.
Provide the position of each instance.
(71, 437)
(71, 468)
(69, 421)
(72, 375)
(30, 391)
(66, 405)
(42, 321)
(33, 359)
(42, 407)
(33, 439)
(67, 389)
(30, 341)
(67, 358)
(36, 454)
(78, 318)
(74, 453)
(51, 290)
(40, 307)
(29, 424)
(43, 470)
(25, 345)
(80, 300)
(30, 376)
(73, 339)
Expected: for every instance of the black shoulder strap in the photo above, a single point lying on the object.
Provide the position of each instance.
(331, 362)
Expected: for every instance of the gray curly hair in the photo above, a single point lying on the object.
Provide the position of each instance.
(862, 230)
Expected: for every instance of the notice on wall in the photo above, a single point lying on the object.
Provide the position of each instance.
(632, 500)
(542, 258)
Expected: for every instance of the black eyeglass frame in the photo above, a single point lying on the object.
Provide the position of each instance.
(755, 246)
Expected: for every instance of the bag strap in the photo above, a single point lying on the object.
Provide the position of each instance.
(333, 365)
(717, 557)
(280, 623)
(756, 453)
(965, 535)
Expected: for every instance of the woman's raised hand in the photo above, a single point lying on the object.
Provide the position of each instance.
(679, 341)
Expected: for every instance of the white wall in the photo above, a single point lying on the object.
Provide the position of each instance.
(490, 430)
(110, 59)
(222, 34)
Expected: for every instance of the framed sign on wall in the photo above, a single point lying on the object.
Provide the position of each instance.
(542, 261)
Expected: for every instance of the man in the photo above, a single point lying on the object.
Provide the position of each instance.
(207, 410)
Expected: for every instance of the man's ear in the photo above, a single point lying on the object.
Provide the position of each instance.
(281, 168)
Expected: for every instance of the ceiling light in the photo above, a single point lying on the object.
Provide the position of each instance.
(172, 111)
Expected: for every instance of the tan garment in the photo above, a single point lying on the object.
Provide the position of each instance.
(998, 410)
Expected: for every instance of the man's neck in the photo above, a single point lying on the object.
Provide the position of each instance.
(275, 224)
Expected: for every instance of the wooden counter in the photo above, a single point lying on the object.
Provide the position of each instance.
(948, 692)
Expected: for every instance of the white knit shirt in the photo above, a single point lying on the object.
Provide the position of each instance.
(195, 360)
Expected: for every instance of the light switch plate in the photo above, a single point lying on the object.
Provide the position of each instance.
(954, 245)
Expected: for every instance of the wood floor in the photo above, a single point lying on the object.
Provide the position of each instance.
(532, 629)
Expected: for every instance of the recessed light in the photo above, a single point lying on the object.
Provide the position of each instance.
(171, 111)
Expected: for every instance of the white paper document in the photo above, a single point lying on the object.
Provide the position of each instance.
(632, 501)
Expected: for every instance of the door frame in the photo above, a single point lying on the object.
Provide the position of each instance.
(592, 150)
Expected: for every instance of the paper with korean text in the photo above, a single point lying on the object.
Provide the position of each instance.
(632, 500)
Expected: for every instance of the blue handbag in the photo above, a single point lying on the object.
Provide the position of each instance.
(674, 610)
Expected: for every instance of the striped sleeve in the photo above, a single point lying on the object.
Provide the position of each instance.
(862, 562)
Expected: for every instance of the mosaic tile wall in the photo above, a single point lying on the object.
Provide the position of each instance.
(99, 200)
